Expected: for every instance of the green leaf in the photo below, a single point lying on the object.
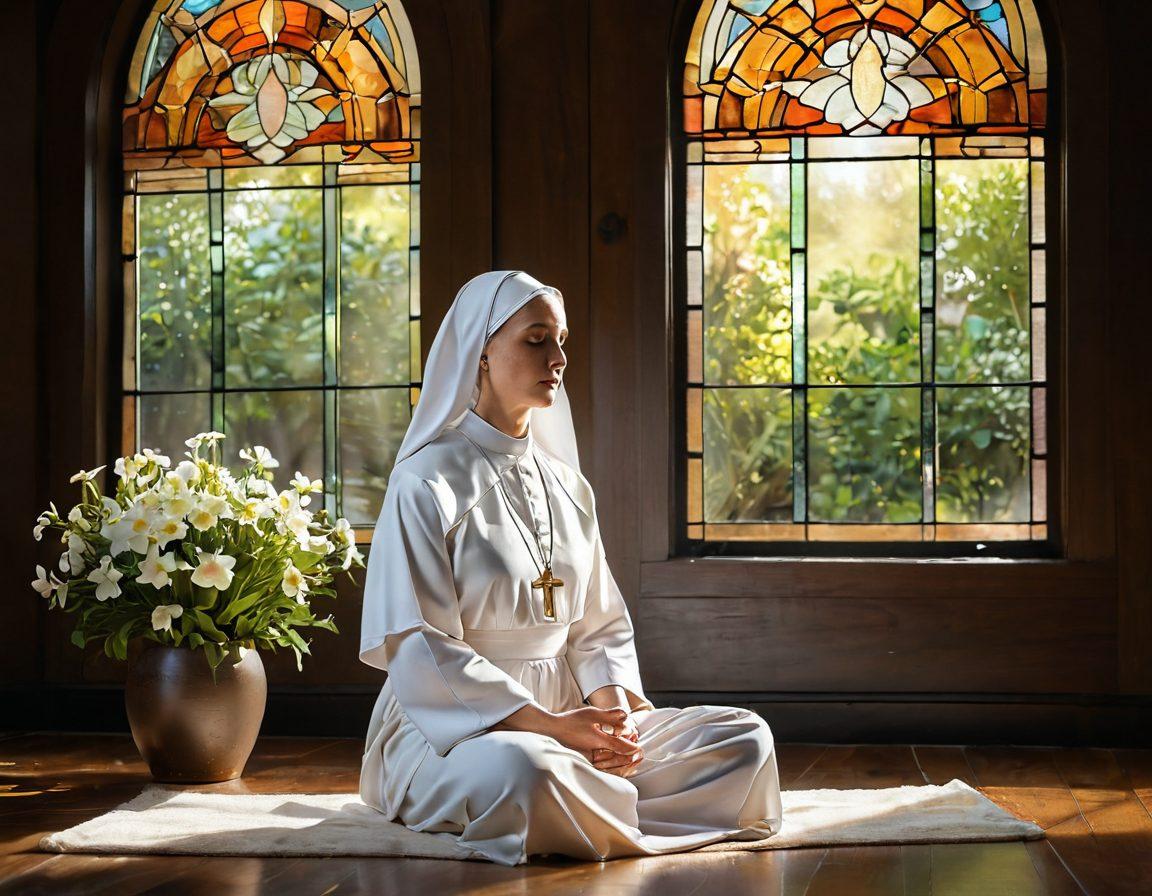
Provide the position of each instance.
(78, 638)
(296, 641)
(982, 438)
(237, 606)
(120, 643)
(206, 598)
(204, 621)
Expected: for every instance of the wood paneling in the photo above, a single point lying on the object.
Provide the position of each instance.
(628, 136)
(81, 334)
(540, 166)
(922, 645)
(454, 42)
(1129, 317)
(21, 383)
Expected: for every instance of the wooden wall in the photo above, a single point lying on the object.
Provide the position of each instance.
(546, 148)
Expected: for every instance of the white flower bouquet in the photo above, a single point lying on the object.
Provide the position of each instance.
(192, 556)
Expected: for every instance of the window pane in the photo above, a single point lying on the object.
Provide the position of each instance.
(166, 421)
(273, 176)
(747, 277)
(864, 455)
(288, 423)
(372, 426)
(863, 272)
(374, 301)
(982, 289)
(747, 454)
(273, 301)
(174, 270)
(983, 452)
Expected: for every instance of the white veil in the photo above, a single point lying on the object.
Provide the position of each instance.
(451, 376)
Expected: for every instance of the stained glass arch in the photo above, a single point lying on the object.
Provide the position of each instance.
(864, 298)
(271, 236)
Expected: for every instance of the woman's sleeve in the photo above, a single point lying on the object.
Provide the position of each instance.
(601, 646)
(411, 625)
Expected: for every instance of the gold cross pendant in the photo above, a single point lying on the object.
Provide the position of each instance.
(547, 582)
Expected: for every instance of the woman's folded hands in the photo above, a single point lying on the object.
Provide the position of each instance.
(608, 738)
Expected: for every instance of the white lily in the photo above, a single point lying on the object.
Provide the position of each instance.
(288, 501)
(86, 475)
(41, 522)
(187, 472)
(297, 523)
(350, 556)
(130, 467)
(139, 518)
(202, 519)
(168, 529)
(260, 455)
(110, 508)
(304, 486)
(155, 567)
(151, 500)
(252, 510)
(203, 437)
(106, 576)
(342, 531)
(317, 544)
(76, 518)
(217, 505)
(44, 585)
(294, 584)
(47, 584)
(132, 530)
(177, 503)
(73, 560)
(213, 570)
(163, 615)
(161, 459)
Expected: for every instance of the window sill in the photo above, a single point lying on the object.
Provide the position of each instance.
(871, 577)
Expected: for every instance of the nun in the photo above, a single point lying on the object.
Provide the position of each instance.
(513, 719)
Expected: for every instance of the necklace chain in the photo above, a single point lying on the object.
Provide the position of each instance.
(527, 501)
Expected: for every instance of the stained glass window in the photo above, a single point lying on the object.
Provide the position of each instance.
(271, 236)
(863, 274)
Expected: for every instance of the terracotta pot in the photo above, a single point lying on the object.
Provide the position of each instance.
(188, 729)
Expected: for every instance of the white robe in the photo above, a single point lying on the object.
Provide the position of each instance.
(451, 615)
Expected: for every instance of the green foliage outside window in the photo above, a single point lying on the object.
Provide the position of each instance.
(864, 444)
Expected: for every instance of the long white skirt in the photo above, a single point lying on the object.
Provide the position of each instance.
(708, 774)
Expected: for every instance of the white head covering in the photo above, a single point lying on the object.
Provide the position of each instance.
(451, 376)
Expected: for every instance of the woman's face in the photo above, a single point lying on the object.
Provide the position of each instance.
(525, 358)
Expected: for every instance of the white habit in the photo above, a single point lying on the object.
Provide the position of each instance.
(451, 615)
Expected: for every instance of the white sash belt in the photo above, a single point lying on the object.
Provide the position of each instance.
(537, 642)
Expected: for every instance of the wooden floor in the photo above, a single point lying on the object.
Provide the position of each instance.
(1094, 804)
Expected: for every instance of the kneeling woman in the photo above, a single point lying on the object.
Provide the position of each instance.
(490, 604)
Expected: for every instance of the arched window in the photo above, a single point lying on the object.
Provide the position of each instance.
(864, 273)
(271, 233)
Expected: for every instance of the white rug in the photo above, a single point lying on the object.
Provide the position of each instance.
(186, 822)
